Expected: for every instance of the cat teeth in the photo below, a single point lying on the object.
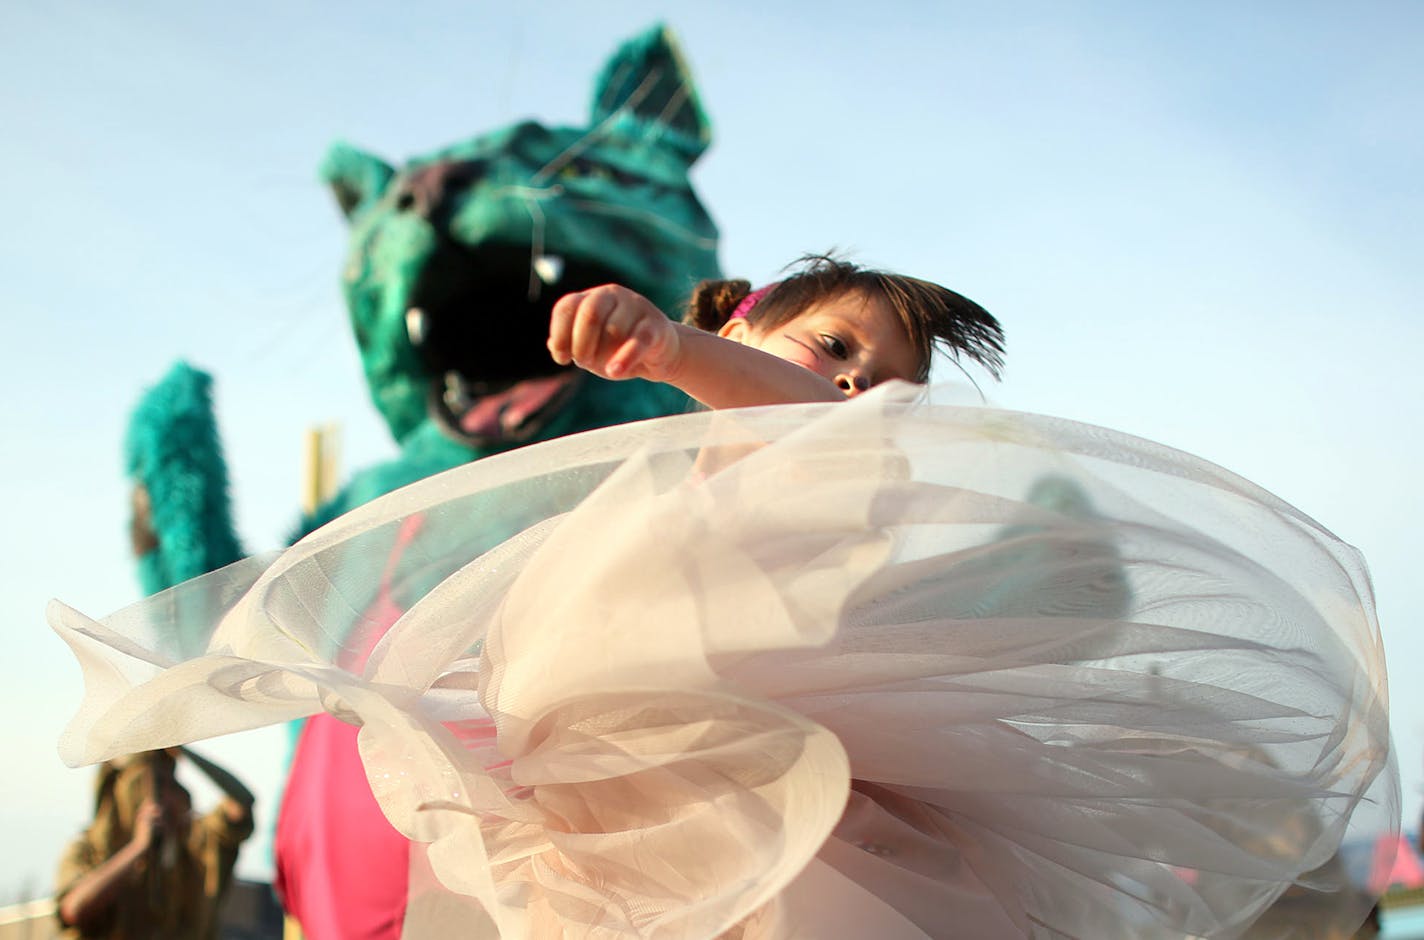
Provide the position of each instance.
(415, 326)
(456, 393)
(549, 268)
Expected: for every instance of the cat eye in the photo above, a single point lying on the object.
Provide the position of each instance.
(584, 168)
(579, 168)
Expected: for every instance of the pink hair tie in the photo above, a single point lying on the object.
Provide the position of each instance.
(746, 304)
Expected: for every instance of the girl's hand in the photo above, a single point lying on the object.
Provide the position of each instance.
(615, 333)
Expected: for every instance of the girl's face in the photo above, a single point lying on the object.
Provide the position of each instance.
(852, 340)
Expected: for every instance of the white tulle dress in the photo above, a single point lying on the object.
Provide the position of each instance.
(879, 669)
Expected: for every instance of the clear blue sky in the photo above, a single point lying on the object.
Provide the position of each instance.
(1198, 221)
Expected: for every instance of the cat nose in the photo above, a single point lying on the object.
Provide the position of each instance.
(426, 190)
(852, 383)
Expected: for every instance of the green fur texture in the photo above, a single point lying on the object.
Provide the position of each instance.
(459, 236)
(454, 262)
(172, 449)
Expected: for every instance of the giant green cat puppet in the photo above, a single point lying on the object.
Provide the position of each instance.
(457, 259)
(455, 262)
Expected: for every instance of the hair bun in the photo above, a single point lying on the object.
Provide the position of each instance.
(713, 301)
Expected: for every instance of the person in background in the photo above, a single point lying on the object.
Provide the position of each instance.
(147, 867)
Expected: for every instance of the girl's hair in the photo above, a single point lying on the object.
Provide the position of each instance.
(931, 315)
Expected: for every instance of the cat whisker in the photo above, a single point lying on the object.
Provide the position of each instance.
(596, 132)
(614, 84)
(675, 102)
(536, 246)
(651, 218)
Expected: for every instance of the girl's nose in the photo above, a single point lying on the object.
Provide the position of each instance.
(852, 383)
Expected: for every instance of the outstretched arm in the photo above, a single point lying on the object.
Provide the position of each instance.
(617, 333)
(238, 800)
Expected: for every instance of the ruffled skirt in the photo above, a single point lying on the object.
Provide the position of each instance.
(879, 669)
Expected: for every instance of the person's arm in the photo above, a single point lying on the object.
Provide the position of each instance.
(617, 333)
(238, 800)
(91, 896)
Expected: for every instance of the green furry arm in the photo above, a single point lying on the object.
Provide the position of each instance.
(172, 452)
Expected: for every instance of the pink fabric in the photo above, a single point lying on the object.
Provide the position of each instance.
(342, 869)
(749, 301)
(1394, 863)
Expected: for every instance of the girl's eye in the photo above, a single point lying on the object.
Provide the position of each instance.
(834, 346)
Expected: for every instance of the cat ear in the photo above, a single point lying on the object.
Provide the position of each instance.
(646, 91)
(356, 177)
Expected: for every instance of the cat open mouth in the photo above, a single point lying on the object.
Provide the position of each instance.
(480, 320)
(486, 415)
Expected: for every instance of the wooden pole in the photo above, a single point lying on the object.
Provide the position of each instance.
(321, 456)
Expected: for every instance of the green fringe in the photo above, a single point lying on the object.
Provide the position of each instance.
(173, 449)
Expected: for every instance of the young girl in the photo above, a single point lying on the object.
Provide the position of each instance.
(846, 327)
(902, 670)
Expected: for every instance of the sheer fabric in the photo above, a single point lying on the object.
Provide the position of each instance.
(879, 668)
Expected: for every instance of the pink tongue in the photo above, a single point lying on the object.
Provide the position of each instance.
(500, 414)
